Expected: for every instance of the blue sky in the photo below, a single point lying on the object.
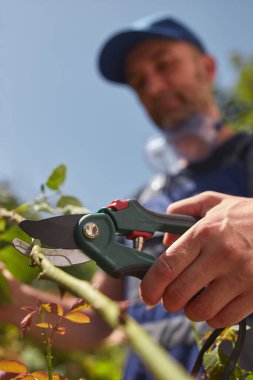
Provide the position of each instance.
(55, 107)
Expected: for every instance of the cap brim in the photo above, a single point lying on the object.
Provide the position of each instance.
(112, 56)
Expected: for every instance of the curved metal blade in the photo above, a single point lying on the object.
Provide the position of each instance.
(57, 231)
(59, 257)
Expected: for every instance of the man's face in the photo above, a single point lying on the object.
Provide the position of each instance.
(171, 79)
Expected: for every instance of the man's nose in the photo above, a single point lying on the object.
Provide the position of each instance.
(155, 84)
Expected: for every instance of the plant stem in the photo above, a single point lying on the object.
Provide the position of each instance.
(10, 216)
(153, 355)
(49, 359)
(48, 345)
(196, 335)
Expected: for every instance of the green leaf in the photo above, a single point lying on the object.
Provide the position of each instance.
(22, 208)
(214, 363)
(18, 264)
(12, 233)
(68, 200)
(2, 225)
(57, 177)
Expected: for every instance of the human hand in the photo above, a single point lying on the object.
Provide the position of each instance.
(208, 271)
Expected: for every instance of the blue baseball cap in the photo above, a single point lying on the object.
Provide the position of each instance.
(113, 54)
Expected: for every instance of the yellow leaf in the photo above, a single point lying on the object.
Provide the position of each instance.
(28, 377)
(44, 325)
(54, 308)
(13, 366)
(58, 377)
(78, 305)
(40, 375)
(77, 317)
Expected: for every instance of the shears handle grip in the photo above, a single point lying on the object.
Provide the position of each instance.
(96, 233)
(130, 215)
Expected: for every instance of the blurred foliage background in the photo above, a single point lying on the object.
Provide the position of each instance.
(106, 363)
(236, 103)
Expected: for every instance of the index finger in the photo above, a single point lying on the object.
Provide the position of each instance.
(197, 205)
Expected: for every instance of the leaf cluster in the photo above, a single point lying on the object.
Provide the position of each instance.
(14, 369)
(215, 358)
(51, 200)
(18, 370)
(74, 314)
(236, 102)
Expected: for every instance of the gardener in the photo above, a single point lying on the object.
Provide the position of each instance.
(170, 70)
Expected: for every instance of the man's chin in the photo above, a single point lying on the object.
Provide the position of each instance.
(169, 125)
(174, 121)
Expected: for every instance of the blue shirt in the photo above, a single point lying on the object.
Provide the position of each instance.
(224, 171)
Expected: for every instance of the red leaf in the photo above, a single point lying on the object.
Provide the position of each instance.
(27, 308)
(61, 330)
(25, 324)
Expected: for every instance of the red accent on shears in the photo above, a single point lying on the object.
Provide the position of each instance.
(118, 205)
(134, 234)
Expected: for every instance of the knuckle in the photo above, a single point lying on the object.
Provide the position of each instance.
(173, 299)
(230, 253)
(198, 311)
(221, 320)
(209, 194)
(203, 230)
(164, 266)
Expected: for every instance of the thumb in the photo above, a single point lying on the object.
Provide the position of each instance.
(197, 205)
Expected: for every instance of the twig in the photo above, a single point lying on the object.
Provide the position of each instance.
(10, 216)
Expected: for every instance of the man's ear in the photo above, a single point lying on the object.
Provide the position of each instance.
(209, 67)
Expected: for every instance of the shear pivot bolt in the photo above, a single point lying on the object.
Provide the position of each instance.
(91, 230)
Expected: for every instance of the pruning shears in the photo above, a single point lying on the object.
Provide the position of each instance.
(75, 239)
